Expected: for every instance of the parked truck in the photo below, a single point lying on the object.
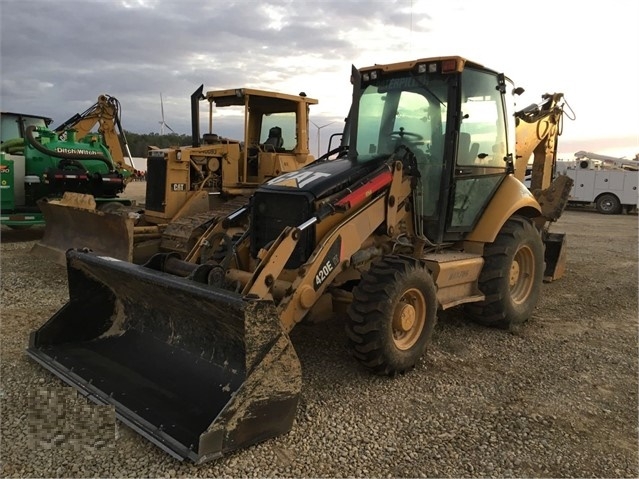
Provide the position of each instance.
(607, 182)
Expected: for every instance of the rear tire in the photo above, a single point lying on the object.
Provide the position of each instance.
(392, 316)
(608, 204)
(511, 277)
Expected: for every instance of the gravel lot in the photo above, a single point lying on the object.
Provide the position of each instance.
(558, 398)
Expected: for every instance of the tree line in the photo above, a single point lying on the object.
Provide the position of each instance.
(139, 143)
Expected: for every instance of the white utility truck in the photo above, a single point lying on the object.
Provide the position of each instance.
(610, 183)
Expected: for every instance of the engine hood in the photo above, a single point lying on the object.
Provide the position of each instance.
(322, 178)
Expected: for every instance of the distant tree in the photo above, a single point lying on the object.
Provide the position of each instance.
(139, 143)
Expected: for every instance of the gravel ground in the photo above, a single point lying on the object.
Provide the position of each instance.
(557, 398)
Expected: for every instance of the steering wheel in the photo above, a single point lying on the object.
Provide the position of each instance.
(399, 135)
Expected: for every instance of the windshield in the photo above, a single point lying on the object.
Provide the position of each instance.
(284, 124)
(10, 126)
(408, 110)
(278, 130)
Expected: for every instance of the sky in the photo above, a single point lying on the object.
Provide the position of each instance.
(57, 57)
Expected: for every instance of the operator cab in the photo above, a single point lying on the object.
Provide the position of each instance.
(452, 115)
(274, 123)
(14, 125)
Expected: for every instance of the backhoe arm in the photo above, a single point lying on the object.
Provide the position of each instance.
(538, 127)
(106, 113)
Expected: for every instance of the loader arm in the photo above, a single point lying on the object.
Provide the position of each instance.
(213, 236)
(330, 258)
(334, 252)
(272, 263)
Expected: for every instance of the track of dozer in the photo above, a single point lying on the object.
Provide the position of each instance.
(181, 234)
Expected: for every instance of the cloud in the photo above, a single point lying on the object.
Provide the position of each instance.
(57, 57)
(60, 56)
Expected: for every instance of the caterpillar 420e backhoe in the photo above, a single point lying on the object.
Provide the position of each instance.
(418, 210)
(187, 186)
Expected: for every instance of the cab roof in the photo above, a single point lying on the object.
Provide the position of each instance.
(258, 98)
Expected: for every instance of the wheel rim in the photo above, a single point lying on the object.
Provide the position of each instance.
(409, 318)
(522, 274)
(607, 204)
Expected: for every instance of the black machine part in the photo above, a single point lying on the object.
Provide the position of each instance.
(217, 376)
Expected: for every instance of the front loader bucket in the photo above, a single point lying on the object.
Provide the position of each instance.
(75, 226)
(196, 370)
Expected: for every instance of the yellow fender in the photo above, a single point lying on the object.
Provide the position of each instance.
(511, 197)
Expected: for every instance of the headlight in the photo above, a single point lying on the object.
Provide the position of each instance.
(427, 67)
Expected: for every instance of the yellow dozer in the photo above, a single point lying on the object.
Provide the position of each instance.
(187, 187)
(418, 210)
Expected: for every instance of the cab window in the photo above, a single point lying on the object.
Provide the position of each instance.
(283, 124)
(482, 139)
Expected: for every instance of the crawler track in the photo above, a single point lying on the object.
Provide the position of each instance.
(181, 234)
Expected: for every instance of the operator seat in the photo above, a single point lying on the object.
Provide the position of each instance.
(467, 152)
(274, 142)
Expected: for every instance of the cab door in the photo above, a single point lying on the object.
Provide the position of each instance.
(481, 150)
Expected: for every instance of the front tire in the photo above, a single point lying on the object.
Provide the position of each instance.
(392, 316)
(511, 277)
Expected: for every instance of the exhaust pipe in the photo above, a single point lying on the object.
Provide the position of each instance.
(195, 115)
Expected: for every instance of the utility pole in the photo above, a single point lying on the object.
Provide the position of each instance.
(319, 134)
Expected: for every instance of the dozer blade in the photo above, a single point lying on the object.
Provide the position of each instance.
(69, 225)
(197, 370)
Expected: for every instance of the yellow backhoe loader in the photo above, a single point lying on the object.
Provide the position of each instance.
(188, 186)
(418, 210)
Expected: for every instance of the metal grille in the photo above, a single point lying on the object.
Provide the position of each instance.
(155, 184)
(271, 213)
